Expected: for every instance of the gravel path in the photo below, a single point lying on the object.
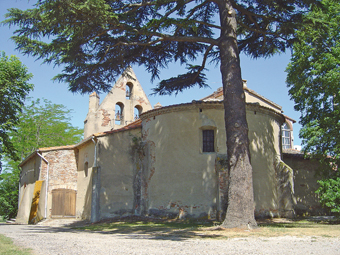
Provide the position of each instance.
(61, 240)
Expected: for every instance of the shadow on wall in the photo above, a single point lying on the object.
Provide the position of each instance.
(263, 150)
(86, 214)
(183, 182)
(117, 173)
(305, 184)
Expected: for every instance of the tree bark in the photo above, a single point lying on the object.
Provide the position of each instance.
(240, 210)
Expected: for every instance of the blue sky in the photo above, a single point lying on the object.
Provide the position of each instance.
(265, 76)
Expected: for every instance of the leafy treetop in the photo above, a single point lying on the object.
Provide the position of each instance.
(95, 40)
(14, 88)
(43, 124)
(313, 79)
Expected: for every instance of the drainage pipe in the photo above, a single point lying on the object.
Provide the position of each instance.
(95, 152)
(94, 202)
(19, 190)
(47, 177)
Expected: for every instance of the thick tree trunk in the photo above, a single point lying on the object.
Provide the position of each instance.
(240, 211)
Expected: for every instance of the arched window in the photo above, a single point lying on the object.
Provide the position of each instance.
(138, 111)
(286, 137)
(119, 113)
(128, 89)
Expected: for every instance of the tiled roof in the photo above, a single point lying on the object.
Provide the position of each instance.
(218, 95)
(133, 125)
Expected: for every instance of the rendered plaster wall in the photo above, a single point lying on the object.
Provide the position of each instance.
(305, 185)
(264, 138)
(84, 180)
(254, 98)
(117, 165)
(29, 175)
(182, 179)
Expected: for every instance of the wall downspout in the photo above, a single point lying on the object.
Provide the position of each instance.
(95, 186)
(19, 190)
(47, 177)
(95, 152)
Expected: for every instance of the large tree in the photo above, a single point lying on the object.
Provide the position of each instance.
(14, 88)
(43, 124)
(314, 81)
(95, 40)
(40, 124)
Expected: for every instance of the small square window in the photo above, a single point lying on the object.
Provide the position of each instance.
(208, 140)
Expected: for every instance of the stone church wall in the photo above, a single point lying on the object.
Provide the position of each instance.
(305, 184)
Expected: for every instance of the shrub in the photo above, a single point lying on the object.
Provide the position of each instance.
(329, 192)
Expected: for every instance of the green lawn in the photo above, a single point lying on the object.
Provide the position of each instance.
(7, 247)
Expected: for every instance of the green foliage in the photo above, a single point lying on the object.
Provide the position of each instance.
(329, 192)
(43, 124)
(14, 88)
(9, 184)
(40, 124)
(314, 81)
(95, 40)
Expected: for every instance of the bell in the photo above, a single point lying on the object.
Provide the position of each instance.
(117, 115)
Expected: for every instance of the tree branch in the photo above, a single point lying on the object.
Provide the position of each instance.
(249, 13)
(204, 59)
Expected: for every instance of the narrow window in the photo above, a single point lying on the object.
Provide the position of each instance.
(286, 137)
(35, 168)
(208, 140)
(86, 169)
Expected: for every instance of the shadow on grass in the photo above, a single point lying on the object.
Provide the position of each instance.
(178, 230)
(298, 223)
(152, 228)
(135, 227)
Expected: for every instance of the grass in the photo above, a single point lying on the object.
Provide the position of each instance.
(210, 229)
(7, 247)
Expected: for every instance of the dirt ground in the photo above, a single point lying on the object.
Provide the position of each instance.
(56, 237)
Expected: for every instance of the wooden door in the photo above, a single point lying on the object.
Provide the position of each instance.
(63, 203)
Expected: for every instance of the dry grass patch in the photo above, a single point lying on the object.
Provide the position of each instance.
(282, 227)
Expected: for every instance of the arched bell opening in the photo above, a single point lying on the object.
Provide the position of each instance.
(119, 113)
(137, 111)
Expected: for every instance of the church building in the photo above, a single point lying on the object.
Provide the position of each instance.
(168, 161)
